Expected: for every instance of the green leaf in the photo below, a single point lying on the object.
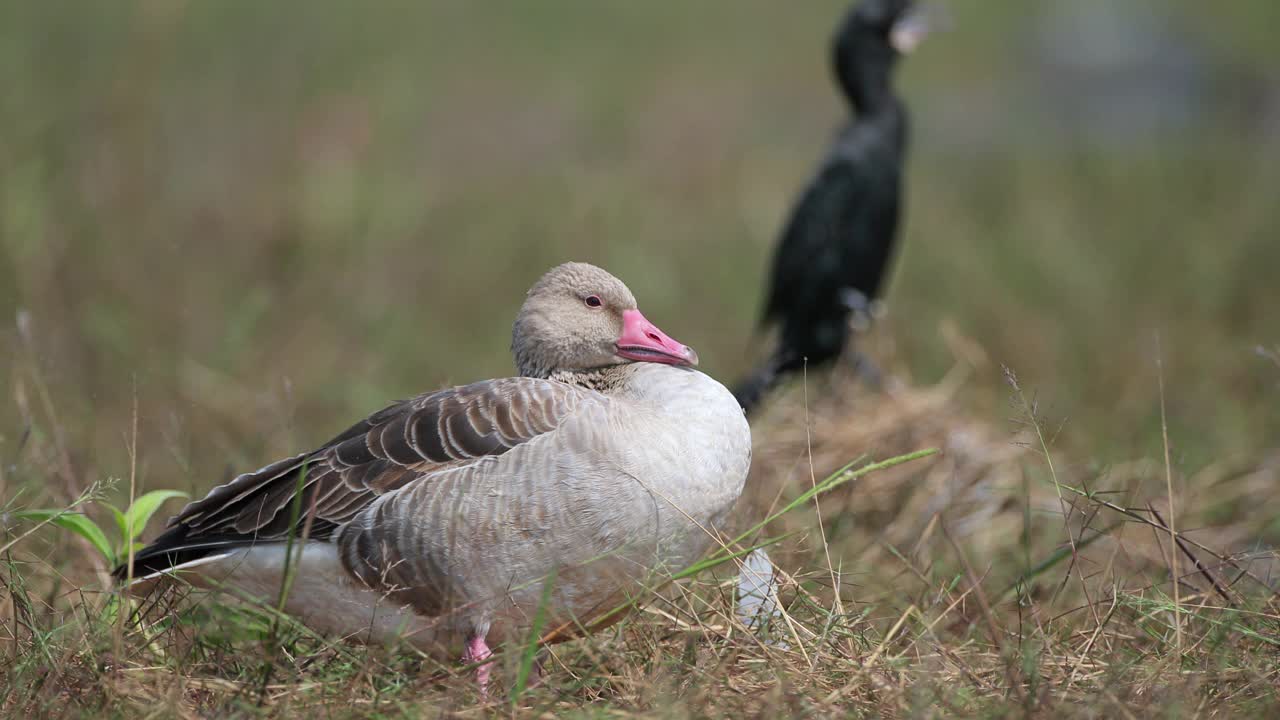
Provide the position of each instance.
(136, 517)
(121, 523)
(111, 610)
(76, 523)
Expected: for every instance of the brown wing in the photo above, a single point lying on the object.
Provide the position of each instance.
(377, 455)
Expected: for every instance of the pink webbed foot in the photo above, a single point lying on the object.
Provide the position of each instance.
(477, 651)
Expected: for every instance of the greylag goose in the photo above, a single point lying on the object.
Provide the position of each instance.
(606, 463)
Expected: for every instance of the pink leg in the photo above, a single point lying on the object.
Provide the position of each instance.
(476, 651)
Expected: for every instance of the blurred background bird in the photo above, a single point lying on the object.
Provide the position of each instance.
(830, 265)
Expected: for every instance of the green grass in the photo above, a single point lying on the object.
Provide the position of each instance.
(255, 222)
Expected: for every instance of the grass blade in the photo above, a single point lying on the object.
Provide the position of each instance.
(530, 651)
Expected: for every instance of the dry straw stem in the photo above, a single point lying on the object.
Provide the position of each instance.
(1168, 477)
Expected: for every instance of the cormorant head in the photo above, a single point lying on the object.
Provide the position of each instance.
(872, 36)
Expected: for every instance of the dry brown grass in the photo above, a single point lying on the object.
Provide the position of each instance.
(1004, 568)
(997, 577)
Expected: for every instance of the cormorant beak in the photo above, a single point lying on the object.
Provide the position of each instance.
(910, 29)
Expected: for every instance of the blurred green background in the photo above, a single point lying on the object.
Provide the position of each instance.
(271, 218)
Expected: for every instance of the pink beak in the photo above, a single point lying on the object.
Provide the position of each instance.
(642, 340)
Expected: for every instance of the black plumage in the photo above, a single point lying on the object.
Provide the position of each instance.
(831, 261)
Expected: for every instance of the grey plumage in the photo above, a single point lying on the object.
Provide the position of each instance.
(448, 511)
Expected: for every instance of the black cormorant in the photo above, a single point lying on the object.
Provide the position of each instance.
(831, 261)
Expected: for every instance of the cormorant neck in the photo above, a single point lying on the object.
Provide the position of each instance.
(872, 97)
(864, 69)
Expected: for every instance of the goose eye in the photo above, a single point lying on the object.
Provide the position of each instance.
(593, 301)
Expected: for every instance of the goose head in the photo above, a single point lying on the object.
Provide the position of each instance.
(579, 317)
